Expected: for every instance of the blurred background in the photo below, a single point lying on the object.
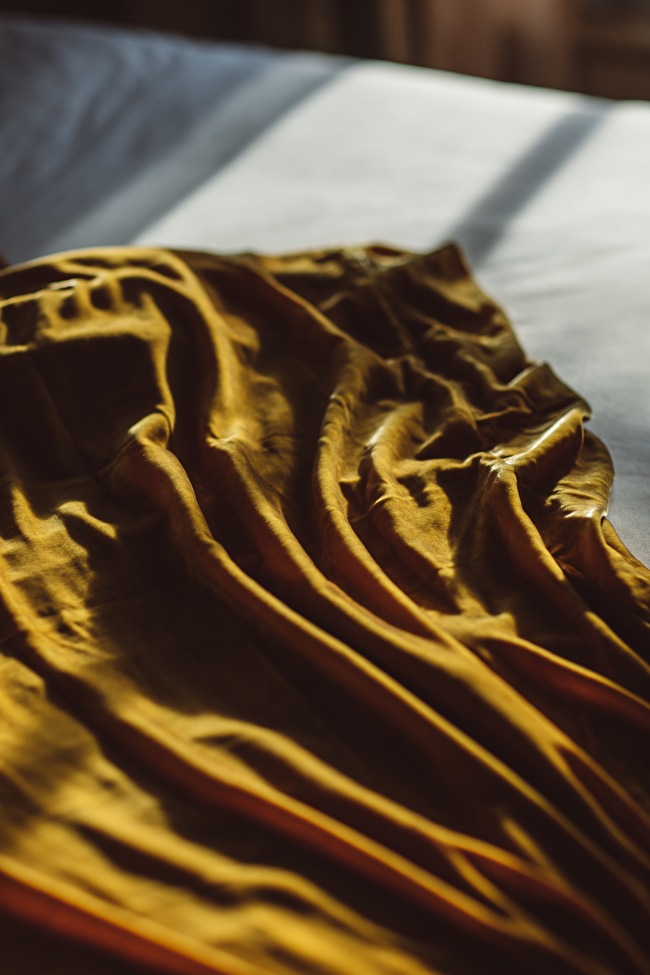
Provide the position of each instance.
(601, 47)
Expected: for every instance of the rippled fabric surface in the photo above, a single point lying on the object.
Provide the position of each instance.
(318, 653)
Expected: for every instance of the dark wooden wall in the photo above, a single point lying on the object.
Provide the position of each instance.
(343, 26)
(597, 46)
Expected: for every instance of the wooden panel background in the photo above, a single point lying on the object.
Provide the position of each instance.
(521, 40)
(557, 43)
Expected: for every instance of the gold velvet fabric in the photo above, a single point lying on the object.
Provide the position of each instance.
(318, 653)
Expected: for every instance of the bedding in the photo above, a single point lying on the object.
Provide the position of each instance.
(317, 652)
(114, 137)
(323, 649)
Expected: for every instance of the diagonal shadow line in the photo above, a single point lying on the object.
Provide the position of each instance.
(134, 196)
(246, 117)
(480, 229)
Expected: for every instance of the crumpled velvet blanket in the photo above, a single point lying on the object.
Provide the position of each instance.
(318, 653)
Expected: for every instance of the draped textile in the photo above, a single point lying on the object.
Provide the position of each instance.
(318, 652)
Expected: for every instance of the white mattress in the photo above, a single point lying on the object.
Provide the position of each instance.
(547, 192)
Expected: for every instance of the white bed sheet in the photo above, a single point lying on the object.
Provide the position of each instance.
(114, 137)
(103, 129)
(548, 193)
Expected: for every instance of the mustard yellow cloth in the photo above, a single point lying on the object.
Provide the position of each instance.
(318, 654)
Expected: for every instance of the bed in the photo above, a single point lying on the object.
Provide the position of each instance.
(283, 758)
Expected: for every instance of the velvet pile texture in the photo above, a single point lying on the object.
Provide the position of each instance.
(318, 653)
